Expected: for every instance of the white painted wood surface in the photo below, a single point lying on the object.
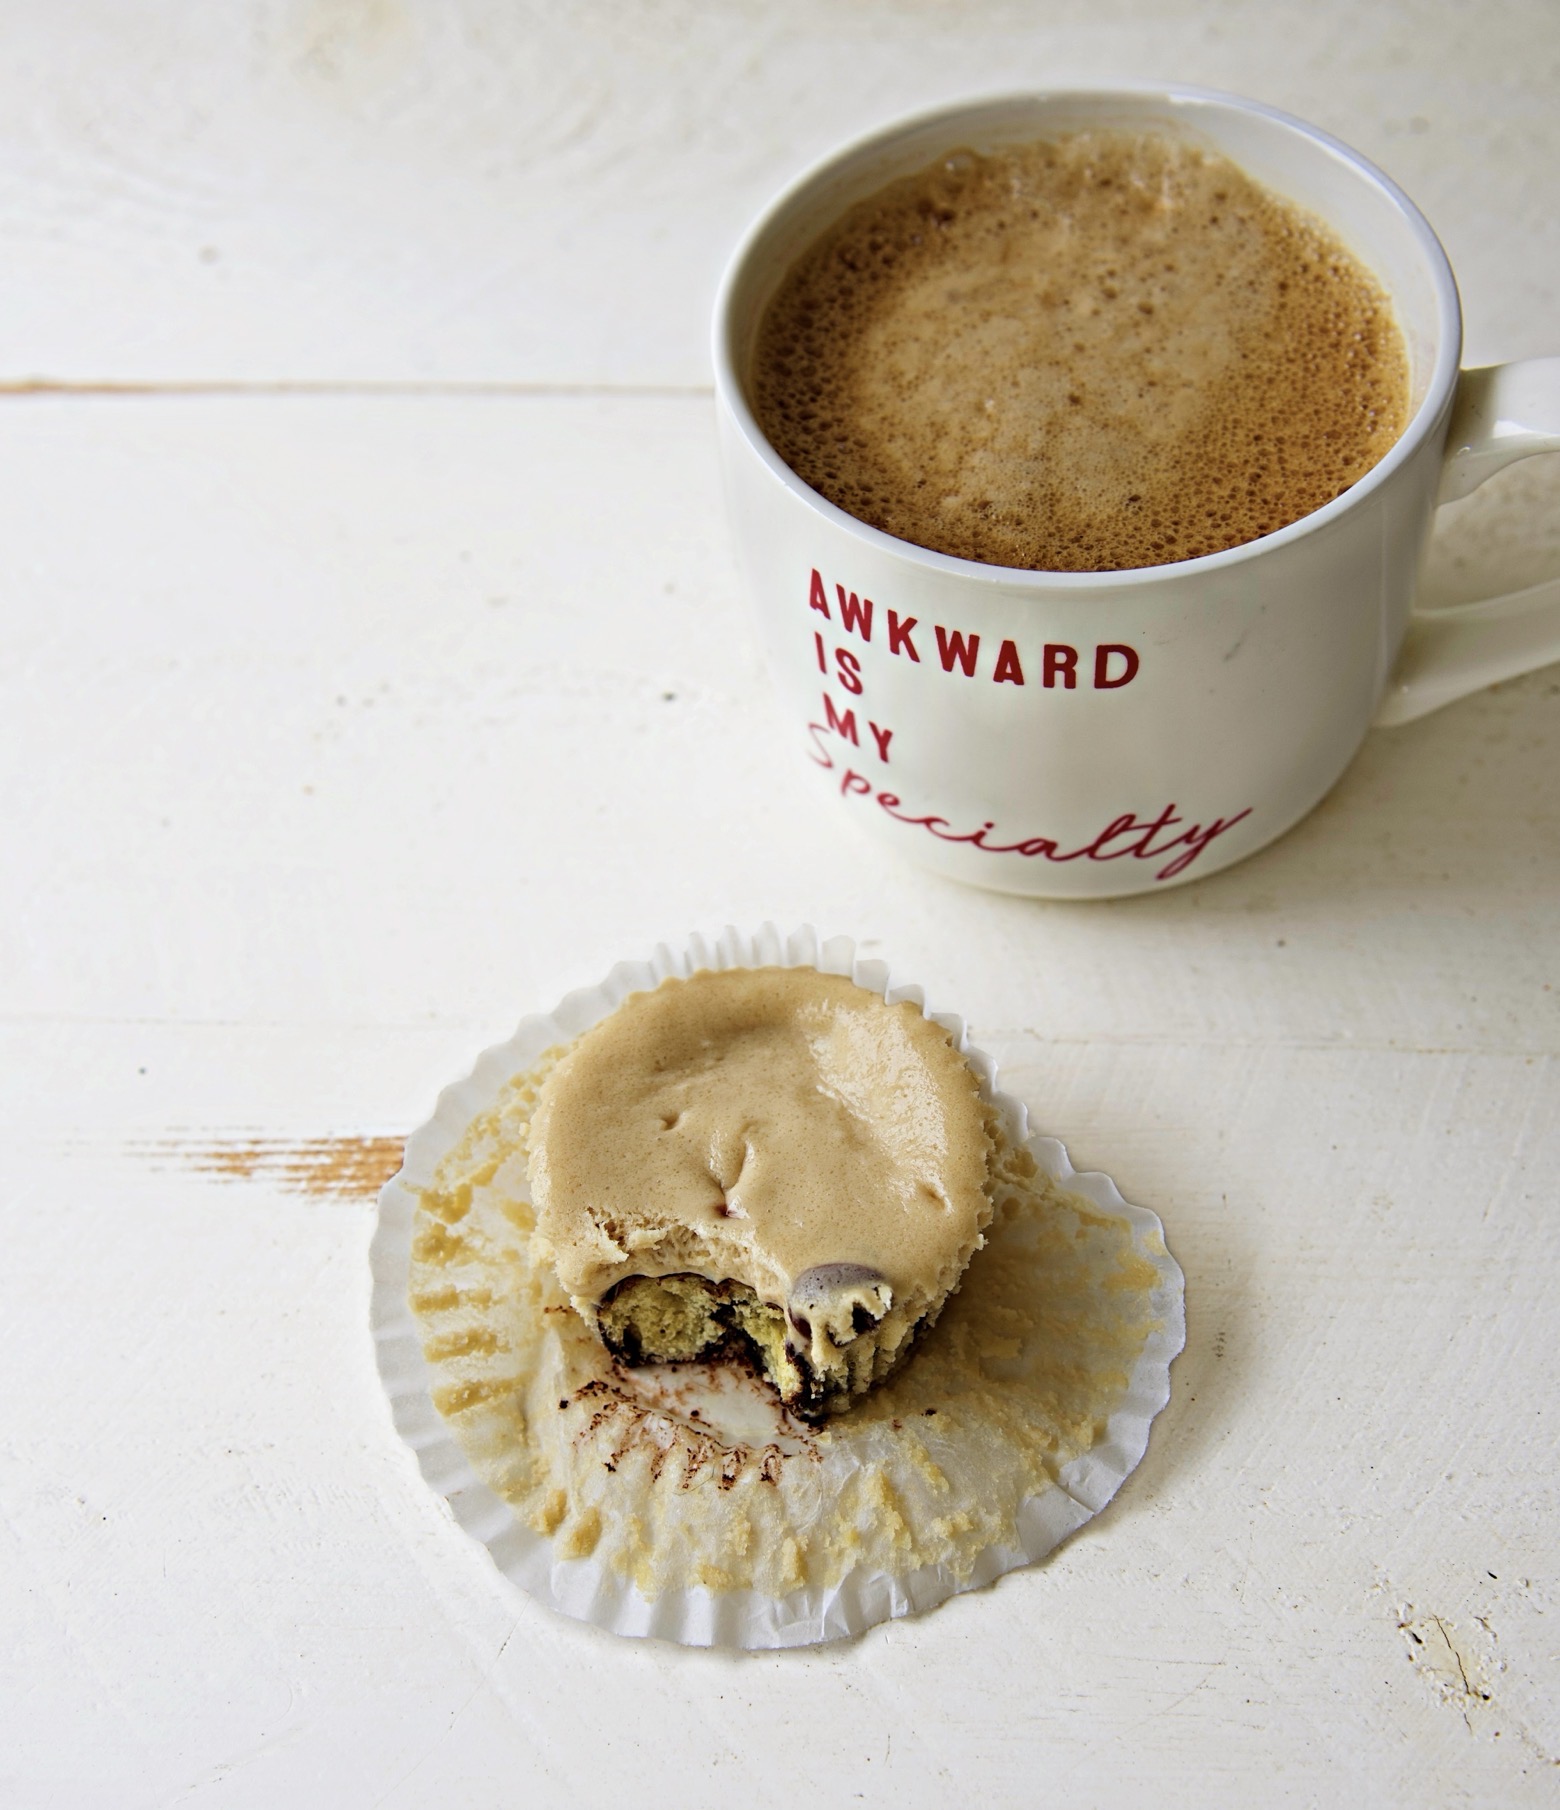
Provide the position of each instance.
(339, 729)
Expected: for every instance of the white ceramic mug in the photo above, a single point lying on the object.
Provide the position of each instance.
(1086, 735)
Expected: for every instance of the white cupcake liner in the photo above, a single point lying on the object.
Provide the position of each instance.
(586, 1588)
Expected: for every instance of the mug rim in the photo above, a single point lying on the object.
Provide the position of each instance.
(1446, 364)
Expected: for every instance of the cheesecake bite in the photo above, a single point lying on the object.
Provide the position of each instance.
(772, 1165)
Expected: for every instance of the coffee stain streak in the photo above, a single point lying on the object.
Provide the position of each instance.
(342, 1168)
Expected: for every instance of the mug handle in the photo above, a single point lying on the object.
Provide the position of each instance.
(1500, 413)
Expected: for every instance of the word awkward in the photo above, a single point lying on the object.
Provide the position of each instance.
(1113, 663)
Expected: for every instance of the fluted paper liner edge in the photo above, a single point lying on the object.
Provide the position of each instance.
(591, 1591)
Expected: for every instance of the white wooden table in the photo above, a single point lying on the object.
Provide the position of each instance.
(374, 668)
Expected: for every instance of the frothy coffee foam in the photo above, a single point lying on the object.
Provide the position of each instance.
(1099, 352)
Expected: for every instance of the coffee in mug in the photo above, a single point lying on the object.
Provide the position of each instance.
(1119, 668)
(1102, 351)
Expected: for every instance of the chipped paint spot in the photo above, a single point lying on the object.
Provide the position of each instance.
(1452, 1660)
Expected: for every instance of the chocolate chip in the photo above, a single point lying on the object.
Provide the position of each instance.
(848, 1298)
(816, 1286)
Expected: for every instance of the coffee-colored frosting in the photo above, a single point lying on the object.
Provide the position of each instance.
(762, 1126)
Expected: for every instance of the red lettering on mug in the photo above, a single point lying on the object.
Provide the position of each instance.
(1127, 835)
(848, 670)
(855, 612)
(1102, 657)
(882, 737)
(823, 658)
(817, 597)
(899, 641)
(841, 725)
(1061, 662)
(953, 646)
(1008, 672)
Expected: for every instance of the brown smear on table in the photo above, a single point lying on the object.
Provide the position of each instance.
(347, 1167)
